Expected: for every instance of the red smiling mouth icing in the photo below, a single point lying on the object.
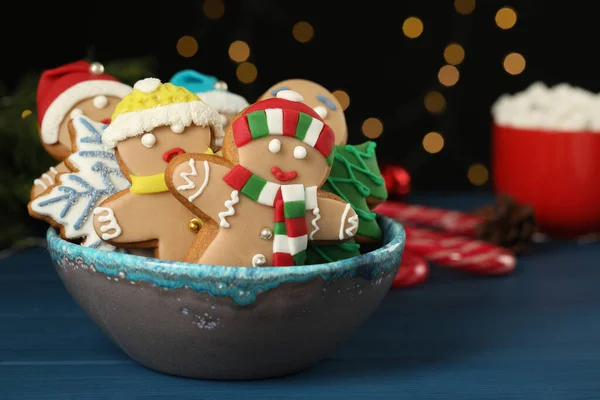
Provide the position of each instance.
(106, 121)
(172, 153)
(283, 176)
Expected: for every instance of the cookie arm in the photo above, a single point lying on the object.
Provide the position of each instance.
(332, 220)
(47, 180)
(196, 180)
(114, 214)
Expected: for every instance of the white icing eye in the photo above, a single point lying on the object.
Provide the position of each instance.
(275, 146)
(322, 111)
(290, 95)
(300, 152)
(149, 140)
(177, 128)
(100, 101)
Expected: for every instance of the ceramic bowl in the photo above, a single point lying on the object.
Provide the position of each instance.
(555, 172)
(228, 323)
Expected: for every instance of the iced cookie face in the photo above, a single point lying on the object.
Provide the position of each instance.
(99, 109)
(284, 160)
(320, 99)
(149, 154)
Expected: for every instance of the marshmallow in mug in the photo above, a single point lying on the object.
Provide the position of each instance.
(561, 108)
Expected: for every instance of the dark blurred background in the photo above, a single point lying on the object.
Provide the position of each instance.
(408, 68)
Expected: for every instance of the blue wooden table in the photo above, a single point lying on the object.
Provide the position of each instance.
(532, 335)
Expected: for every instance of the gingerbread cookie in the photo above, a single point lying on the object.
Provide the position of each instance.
(214, 93)
(150, 126)
(320, 99)
(78, 87)
(93, 175)
(262, 199)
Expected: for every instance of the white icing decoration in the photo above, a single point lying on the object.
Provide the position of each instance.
(149, 140)
(190, 184)
(40, 183)
(343, 223)
(230, 210)
(223, 101)
(223, 119)
(311, 197)
(100, 101)
(48, 178)
(112, 223)
(290, 95)
(75, 113)
(317, 213)
(321, 111)
(300, 152)
(53, 170)
(177, 128)
(275, 146)
(147, 85)
(70, 203)
(351, 230)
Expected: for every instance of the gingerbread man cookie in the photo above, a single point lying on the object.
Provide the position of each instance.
(80, 88)
(320, 99)
(150, 126)
(262, 199)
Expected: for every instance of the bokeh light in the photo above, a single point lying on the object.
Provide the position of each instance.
(246, 72)
(514, 63)
(187, 46)
(506, 18)
(372, 128)
(433, 142)
(464, 7)
(478, 174)
(239, 51)
(454, 54)
(303, 31)
(214, 9)
(343, 98)
(412, 27)
(448, 75)
(435, 102)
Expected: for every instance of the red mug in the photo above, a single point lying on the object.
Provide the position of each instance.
(558, 173)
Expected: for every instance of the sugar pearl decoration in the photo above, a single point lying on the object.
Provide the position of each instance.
(96, 68)
(195, 224)
(76, 113)
(220, 85)
(266, 234)
(147, 85)
(275, 146)
(149, 140)
(290, 95)
(321, 111)
(177, 128)
(299, 152)
(100, 101)
(259, 260)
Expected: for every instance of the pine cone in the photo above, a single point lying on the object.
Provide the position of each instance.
(507, 224)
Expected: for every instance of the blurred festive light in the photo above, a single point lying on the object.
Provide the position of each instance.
(433, 142)
(412, 27)
(506, 18)
(187, 46)
(454, 54)
(343, 98)
(514, 63)
(214, 9)
(372, 128)
(25, 114)
(448, 75)
(239, 51)
(478, 174)
(246, 72)
(464, 7)
(303, 31)
(435, 102)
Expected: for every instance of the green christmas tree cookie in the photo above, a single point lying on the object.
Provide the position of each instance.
(354, 176)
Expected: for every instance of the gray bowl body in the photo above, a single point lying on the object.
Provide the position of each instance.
(215, 322)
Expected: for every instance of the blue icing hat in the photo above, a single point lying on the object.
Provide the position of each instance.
(194, 81)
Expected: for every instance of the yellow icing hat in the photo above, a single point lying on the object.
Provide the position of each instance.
(152, 104)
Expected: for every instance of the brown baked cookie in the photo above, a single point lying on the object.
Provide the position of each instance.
(153, 124)
(262, 197)
(320, 99)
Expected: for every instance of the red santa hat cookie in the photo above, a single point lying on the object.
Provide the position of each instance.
(284, 115)
(61, 88)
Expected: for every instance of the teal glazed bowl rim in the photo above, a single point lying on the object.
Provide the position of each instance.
(242, 284)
